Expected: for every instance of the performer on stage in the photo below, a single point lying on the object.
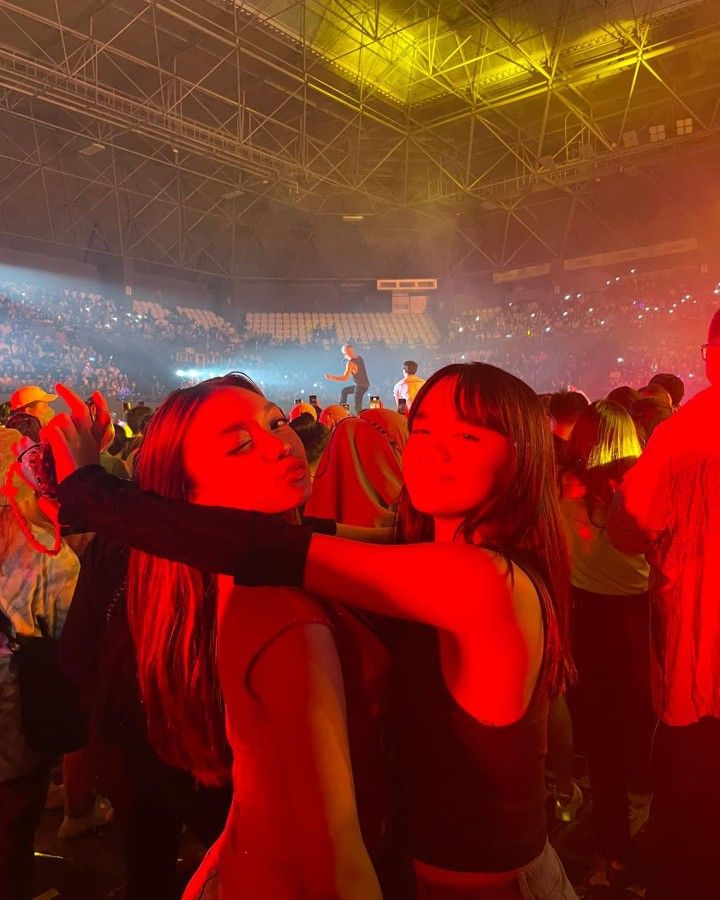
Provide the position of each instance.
(355, 366)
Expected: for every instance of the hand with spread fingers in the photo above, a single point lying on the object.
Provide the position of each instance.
(77, 438)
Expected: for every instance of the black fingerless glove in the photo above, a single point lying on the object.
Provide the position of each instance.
(254, 548)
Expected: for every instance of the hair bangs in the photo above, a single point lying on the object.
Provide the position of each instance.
(478, 405)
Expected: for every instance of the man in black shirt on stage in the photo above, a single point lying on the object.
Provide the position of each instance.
(355, 366)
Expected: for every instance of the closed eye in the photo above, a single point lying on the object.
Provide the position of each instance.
(244, 443)
(241, 447)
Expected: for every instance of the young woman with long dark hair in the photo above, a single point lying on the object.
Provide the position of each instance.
(239, 682)
(482, 582)
(483, 579)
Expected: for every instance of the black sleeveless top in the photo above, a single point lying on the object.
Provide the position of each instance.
(471, 796)
(361, 376)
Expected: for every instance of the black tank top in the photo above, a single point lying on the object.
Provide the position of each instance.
(360, 376)
(471, 796)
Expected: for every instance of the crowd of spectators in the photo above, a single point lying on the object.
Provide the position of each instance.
(619, 332)
(597, 340)
(627, 486)
(31, 356)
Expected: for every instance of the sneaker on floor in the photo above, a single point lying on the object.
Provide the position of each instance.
(567, 807)
(74, 826)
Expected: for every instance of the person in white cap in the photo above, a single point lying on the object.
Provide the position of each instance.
(34, 400)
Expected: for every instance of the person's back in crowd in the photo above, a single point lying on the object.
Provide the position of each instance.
(37, 577)
(648, 412)
(625, 396)
(138, 419)
(610, 703)
(359, 476)
(667, 509)
(333, 414)
(407, 388)
(564, 409)
(672, 384)
(314, 437)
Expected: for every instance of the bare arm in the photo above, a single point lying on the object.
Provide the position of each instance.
(494, 628)
(350, 369)
(438, 584)
(307, 714)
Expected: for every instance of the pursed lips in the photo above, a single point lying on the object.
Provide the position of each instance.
(295, 470)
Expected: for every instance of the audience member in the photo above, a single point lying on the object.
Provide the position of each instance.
(672, 384)
(406, 389)
(266, 669)
(655, 391)
(302, 409)
(37, 576)
(138, 419)
(314, 437)
(625, 396)
(666, 509)
(359, 476)
(35, 401)
(564, 409)
(648, 413)
(611, 706)
(333, 414)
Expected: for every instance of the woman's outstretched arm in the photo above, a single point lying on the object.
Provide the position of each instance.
(214, 539)
(247, 545)
(434, 583)
(493, 614)
(451, 586)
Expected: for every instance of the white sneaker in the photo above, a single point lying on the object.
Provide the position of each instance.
(74, 826)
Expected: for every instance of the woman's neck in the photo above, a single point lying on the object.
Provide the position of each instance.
(447, 531)
(450, 531)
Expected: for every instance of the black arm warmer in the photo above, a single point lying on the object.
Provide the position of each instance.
(256, 549)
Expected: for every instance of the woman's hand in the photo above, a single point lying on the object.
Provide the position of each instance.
(76, 439)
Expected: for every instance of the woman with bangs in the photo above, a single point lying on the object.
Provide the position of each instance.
(611, 704)
(480, 592)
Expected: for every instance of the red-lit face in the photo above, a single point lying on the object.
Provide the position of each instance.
(241, 452)
(450, 466)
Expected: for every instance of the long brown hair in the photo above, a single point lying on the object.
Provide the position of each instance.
(172, 609)
(522, 521)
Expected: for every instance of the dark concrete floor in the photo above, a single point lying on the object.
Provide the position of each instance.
(91, 867)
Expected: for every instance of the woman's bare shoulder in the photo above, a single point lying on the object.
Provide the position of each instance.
(251, 619)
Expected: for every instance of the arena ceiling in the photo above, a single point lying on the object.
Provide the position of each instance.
(239, 138)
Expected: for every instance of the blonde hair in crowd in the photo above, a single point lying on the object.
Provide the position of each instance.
(604, 433)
